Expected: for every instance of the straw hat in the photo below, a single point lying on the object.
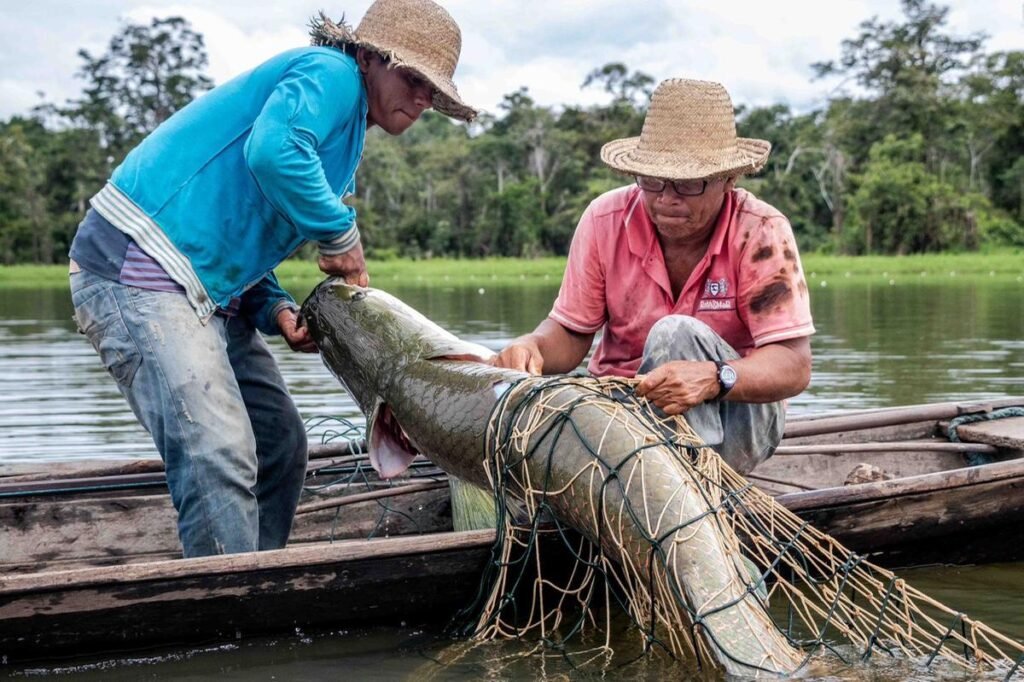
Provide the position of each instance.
(414, 34)
(689, 133)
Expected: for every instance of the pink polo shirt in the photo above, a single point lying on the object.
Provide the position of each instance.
(749, 286)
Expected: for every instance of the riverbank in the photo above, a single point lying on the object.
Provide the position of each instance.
(449, 271)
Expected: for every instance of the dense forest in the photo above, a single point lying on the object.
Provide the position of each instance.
(927, 156)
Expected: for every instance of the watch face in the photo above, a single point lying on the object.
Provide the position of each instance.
(727, 376)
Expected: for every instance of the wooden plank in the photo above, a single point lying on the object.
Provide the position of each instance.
(896, 488)
(916, 430)
(968, 524)
(831, 470)
(901, 446)
(385, 492)
(414, 580)
(248, 562)
(891, 416)
(103, 529)
(954, 407)
(106, 466)
(1001, 433)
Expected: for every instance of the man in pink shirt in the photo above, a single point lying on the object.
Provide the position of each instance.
(695, 285)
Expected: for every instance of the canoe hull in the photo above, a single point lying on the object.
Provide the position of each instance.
(83, 572)
(414, 580)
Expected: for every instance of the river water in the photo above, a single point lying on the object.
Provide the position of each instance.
(880, 342)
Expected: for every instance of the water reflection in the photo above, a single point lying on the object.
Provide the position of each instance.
(877, 345)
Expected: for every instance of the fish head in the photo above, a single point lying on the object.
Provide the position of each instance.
(367, 338)
(340, 323)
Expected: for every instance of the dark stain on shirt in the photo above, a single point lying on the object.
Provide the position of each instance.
(788, 254)
(802, 286)
(772, 294)
(764, 253)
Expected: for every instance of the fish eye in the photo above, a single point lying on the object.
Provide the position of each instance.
(358, 295)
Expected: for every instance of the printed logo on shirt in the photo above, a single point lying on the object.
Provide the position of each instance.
(716, 296)
(716, 287)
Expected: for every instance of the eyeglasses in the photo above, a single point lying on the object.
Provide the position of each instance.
(686, 188)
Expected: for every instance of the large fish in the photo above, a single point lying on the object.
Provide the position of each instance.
(426, 391)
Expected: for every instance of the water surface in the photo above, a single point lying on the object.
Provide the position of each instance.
(877, 345)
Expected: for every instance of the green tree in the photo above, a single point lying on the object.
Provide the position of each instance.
(900, 207)
(147, 73)
(25, 234)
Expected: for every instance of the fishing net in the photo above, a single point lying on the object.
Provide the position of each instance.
(707, 567)
(335, 484)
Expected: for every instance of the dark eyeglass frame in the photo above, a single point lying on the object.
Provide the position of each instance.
(657, 185)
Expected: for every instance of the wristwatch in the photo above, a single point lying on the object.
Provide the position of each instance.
(726, 378)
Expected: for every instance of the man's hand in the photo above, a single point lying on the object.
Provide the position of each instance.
(295, 333)
(351, 266)
(677, 386)
(522, 355)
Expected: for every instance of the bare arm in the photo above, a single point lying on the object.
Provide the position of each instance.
(549, 349)
(772, 372)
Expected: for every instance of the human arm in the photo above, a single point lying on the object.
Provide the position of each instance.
(317, 96)
(550, 349)
(273, 311)
(263, 302)
(350, 265)
(295, 333)
(772, 372)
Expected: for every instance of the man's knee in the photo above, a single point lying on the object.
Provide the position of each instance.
(680, 337)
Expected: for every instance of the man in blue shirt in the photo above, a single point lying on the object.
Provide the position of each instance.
(172, 267)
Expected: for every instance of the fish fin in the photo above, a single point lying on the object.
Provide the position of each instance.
(468, 357)
(391, 453)
(440, 343)
(461, 350)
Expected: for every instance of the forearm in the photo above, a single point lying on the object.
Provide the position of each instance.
(773, 372)
(562, 349)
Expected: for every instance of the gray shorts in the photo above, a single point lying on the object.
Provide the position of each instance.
(744, 434)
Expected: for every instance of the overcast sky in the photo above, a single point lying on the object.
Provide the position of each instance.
(760, 49)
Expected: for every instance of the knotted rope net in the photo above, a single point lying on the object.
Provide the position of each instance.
(707, 567)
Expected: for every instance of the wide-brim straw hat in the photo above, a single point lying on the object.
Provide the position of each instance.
(689, 133)
(414, 34)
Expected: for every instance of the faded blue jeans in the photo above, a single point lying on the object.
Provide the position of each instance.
(212, 397)
(744, 434)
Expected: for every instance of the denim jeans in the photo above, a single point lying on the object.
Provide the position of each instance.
(744, 434)
(213, 399)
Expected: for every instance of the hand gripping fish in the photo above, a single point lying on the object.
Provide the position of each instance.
(426, 391)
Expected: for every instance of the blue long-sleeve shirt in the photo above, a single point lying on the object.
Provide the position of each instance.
(236, 181)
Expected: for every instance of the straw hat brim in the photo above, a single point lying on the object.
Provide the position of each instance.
(626, 157)
(446, 98)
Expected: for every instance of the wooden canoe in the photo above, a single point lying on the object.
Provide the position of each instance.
(88, 552)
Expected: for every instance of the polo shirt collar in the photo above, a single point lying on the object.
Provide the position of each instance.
(639, 228)
(722, 224)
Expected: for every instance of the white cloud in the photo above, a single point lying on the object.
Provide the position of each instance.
(231, 48)
(760, 50)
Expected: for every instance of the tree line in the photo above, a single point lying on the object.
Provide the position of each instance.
(927, 155)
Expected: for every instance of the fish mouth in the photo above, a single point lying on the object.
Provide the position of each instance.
(343, 290)
(391, 451)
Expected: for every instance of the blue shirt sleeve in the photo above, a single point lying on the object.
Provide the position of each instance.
(263, 301)
(318, 95)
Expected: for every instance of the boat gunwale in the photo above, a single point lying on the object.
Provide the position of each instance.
(937, 481)
(305, 556)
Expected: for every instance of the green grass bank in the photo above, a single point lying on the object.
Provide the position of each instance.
(451, 272)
